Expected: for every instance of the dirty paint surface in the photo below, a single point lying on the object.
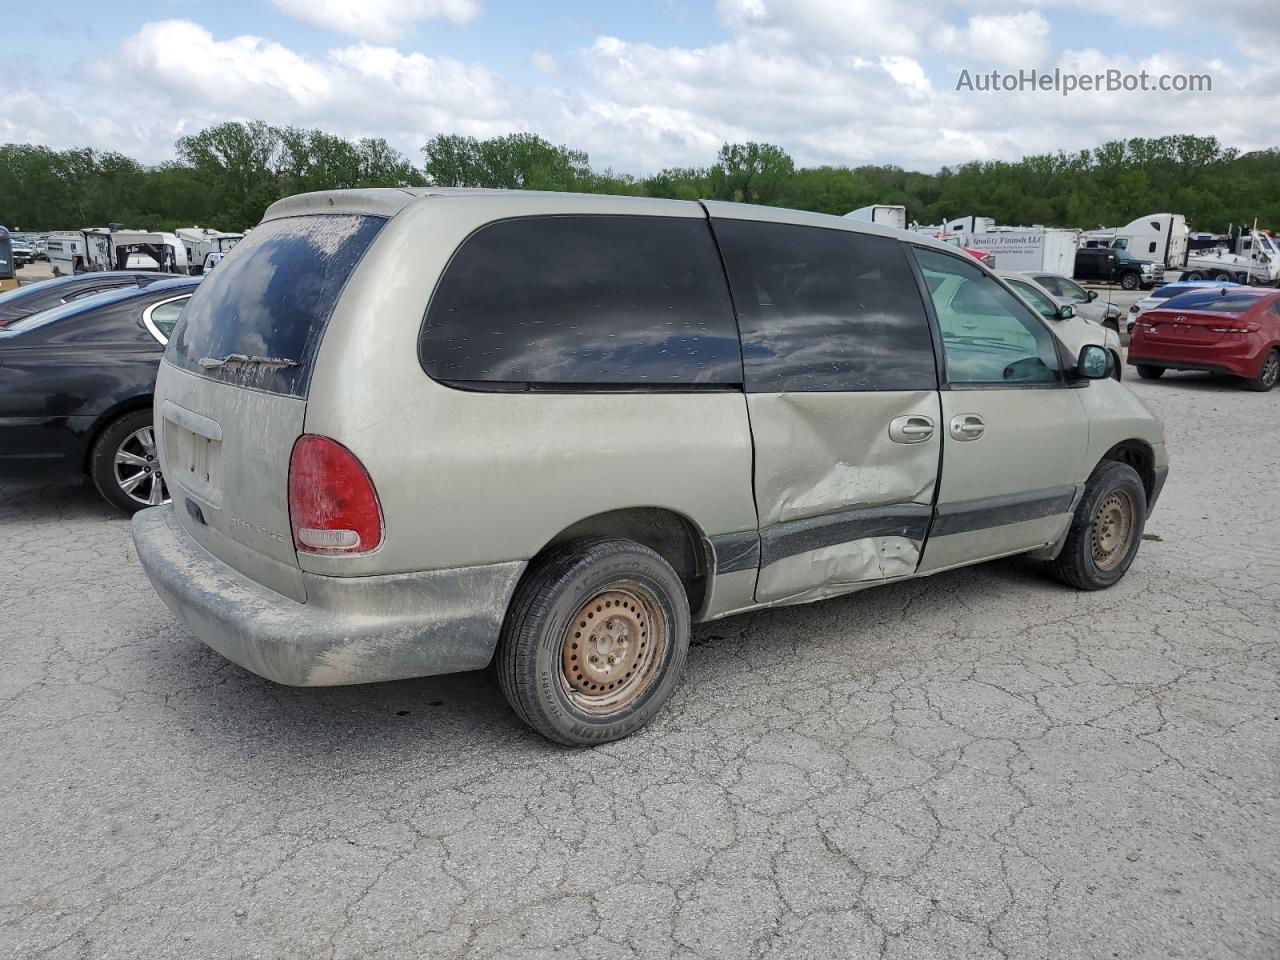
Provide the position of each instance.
(980, 764)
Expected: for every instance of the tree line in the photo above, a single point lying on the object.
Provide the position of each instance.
(226, 175)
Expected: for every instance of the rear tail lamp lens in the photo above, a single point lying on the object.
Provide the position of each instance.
(1236, 326)
(333, 506)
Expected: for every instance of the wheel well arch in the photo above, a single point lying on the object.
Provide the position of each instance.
(670, 534)
(1138, 455)
(121, 407)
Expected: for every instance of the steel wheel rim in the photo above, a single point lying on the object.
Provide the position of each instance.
(137, 469)
(1114, 527)
(613, 649)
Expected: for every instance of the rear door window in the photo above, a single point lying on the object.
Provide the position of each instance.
(257, 320)
(583, 301)
(826, 310)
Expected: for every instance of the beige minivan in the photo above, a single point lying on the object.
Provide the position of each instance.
(409, 432)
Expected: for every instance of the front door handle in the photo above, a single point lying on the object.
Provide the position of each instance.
(913, 429)
(967, 426)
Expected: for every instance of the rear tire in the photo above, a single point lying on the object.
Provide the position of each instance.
(1267, 375)
(1150, 373)
(594, 642)
(1106, 529)
(1191, 275)
(119, 467)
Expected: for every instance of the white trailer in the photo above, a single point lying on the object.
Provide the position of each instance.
(114, 248)
(886, 214)
(1042, 249)
(206, 247)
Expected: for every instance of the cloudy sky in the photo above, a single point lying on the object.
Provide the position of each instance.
(641, 85)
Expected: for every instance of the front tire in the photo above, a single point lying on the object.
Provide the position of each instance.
(1150, 373)
(1268, 374)
(125, 465)
(1116, 365)
(1129, 281)
(1106, 529)
(594, 642)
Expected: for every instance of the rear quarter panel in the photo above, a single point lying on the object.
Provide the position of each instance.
(470, 478)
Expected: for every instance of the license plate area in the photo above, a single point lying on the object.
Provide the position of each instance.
(192, 451)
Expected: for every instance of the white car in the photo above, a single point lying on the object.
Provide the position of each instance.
(1065, 290)
(1074, 330)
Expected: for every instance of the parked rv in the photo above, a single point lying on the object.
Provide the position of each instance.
(888, 215)
(115, 248)
(206, 247)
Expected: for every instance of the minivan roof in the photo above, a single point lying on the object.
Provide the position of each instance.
(388, 201)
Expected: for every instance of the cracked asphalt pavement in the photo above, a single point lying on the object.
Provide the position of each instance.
(978, 765)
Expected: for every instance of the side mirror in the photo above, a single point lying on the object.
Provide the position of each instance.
(1094, 362)
(1093, 295)
(1066, 312)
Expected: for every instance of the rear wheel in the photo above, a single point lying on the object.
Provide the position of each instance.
(1221, 277)
(594, 642)
(1268, 374)
(1106, 529)
(1150, 373)
(1192, 275)
(125, 465)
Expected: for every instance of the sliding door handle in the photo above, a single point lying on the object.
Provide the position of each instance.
(967, 426)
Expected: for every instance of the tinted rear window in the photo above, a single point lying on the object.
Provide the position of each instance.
(609, 301)
(269, 299)
(824, 310)
(1212, 300)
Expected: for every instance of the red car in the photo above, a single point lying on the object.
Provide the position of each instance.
(1233, 330)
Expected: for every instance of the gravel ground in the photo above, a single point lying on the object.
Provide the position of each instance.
(981, 764)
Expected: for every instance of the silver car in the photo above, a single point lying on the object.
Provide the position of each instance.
(1064, 318)
(409, 432)
(1087, 303)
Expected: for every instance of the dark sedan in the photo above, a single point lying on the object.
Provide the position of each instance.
(35, 297)
(75, 390)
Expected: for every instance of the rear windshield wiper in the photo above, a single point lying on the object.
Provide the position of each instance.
(244, 359)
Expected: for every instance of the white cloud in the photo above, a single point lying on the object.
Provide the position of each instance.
(782, 75)
(378, 20)
(1013, 40)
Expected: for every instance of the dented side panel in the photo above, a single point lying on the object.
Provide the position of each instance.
(830, 456)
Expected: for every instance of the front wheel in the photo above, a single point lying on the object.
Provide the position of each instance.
(1129, 281)
(1116, 365)
(1106, 529)
(1150, 373)
(125, 465)
(594, 642)
(1268, 374)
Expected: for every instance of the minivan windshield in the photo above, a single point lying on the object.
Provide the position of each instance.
(258, 318)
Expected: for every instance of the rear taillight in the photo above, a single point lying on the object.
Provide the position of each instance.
(333, 507)
(1236, 326)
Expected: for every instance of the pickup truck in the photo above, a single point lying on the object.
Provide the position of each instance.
(1113, 265)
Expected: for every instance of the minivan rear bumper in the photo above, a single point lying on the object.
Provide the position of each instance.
(350, 630)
